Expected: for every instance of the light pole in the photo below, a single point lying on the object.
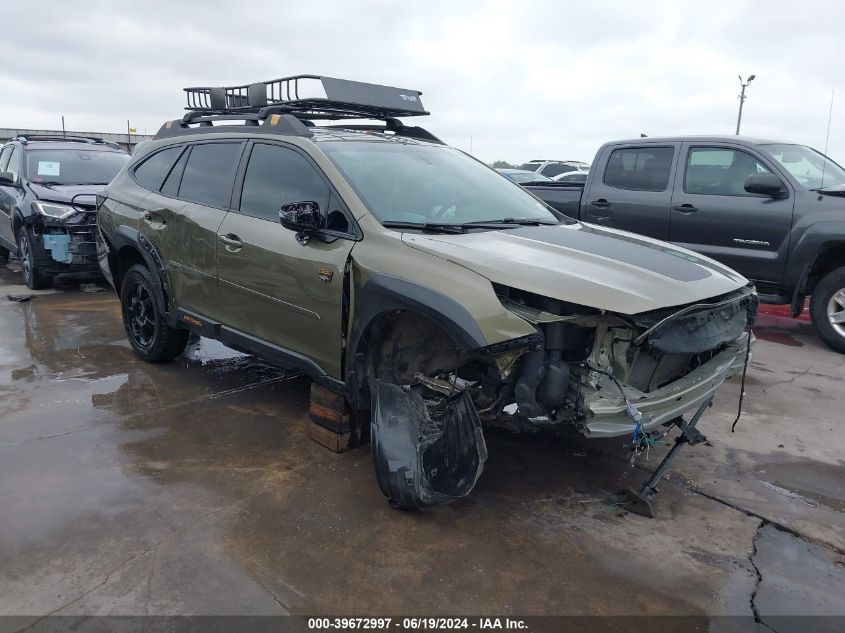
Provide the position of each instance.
(744, 85)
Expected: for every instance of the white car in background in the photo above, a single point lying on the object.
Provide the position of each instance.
(576, 177)
(552, 168)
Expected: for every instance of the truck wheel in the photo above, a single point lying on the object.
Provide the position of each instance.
(152, 339)
(827, 309)
(32, 277)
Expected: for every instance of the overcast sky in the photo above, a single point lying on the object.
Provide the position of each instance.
(521, 79)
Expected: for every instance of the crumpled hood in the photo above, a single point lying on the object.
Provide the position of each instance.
(65, 193)
(587, 265)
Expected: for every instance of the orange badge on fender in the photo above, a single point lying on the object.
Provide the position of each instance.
(325, 274)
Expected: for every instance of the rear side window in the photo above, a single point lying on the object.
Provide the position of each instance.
(152, 172)
(277, 175)
(639, 168)
(210, 174)
(555, 169)
(174, 178)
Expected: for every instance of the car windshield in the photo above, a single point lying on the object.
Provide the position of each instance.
(530, 166)
(525, 176)
(73, 167)
(812, 169)
(402, 182)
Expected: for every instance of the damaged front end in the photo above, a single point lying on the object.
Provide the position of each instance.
(603, 374)
(64, 235)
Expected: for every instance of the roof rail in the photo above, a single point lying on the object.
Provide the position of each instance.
(70, 138)
(308, 97)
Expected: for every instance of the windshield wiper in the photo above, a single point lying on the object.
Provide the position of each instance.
(517, 221)
(442, 227)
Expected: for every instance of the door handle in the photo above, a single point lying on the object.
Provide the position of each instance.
(154, 219)
(231, 242)
(601, 203)
(685, 208)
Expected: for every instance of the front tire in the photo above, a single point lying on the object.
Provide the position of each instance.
(827, 309)
(152, 339)
(32, 277)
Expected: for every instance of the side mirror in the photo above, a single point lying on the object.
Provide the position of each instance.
(302, 217)
(764, 184)
(7, 178)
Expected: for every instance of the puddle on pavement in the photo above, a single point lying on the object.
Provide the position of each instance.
(815, 482)
(798, 578)
(782, 330)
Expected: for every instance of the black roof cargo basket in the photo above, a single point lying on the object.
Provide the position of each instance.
(307, 97)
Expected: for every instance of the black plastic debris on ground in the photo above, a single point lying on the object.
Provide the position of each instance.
(423, 454)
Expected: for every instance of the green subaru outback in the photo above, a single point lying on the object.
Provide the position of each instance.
(430, 294)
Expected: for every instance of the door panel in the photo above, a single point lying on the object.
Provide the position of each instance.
(633, 193)
(713, 215)
(274, 288)
(186, 235)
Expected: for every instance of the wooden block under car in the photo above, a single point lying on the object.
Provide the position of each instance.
(331, 422)
(337, 442)
(329, 410)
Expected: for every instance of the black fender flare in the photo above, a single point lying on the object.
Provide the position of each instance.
(125, 236)
(818, 239)
(383, 293)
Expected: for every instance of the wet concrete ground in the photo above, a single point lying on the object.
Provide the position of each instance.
(192, 488)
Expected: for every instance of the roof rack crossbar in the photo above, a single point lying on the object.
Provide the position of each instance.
(71, 138)
(343, 99)
(407, 131)
(282, 124)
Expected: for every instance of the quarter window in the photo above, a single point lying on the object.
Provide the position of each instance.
(210, 173)
(720, 171)
(152, 171)
(639, 168)
(276, 176)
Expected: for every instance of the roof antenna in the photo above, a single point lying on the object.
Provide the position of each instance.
(827, 136)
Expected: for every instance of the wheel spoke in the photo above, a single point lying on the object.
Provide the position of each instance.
(839, 298)
(837, 317)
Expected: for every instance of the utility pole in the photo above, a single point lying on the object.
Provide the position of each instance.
(63, 126)
(744, 85)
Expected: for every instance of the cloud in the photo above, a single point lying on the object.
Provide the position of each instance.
(516, 80)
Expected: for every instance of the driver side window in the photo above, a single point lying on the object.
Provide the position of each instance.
(14, 165)
(276, 176)
(720, 171)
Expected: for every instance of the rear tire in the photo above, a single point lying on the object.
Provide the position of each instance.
(152, 339)
(827, 309)
(32, 277)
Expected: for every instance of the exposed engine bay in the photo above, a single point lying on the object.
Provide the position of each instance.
(601, 373)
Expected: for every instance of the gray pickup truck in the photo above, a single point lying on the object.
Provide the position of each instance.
(773, 211)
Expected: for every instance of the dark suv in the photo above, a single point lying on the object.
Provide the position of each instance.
(48, 203)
